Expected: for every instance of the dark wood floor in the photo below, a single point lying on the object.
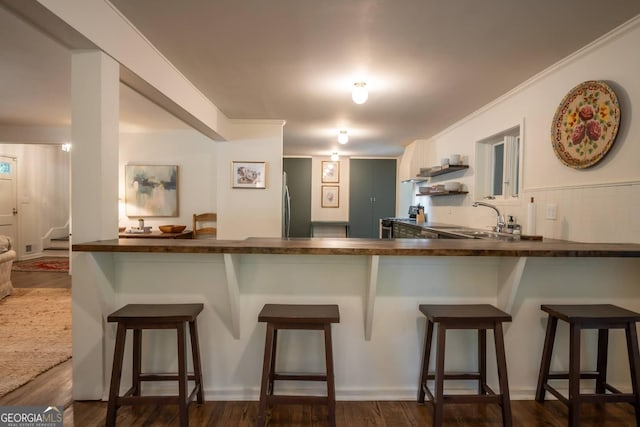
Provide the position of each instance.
(45, 279)
(54, 388)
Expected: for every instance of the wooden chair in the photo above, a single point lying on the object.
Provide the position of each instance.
(207, 230)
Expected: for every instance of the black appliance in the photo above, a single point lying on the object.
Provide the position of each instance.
(413, 210)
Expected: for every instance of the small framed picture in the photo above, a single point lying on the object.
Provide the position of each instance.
(330, 171)
(248, 174)
(330, 196)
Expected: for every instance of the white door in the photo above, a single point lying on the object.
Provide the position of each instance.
(8, 197)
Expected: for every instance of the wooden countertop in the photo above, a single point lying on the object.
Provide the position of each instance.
(156, 234)
(399, 247)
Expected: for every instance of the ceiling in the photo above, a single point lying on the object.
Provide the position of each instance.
(427, 63)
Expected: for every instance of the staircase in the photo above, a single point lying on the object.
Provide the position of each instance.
(58, 246)
(56, 241)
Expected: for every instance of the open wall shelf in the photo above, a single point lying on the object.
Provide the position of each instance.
(437, 170)
(442, 193)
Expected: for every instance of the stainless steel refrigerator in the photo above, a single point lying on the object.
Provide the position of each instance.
(286, 207)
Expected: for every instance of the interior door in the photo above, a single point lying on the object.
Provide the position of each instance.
(299, 182)
(384, 190)
(8, 197)
(372, 195)
(360, 199)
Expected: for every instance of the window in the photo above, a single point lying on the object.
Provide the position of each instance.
(498, 165)
(5, 168)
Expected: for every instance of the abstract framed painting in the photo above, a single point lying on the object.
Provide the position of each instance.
(151, 190)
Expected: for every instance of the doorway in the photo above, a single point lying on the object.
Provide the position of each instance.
(8, 197)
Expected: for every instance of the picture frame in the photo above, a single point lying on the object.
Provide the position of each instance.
(151, 190)
(330, 196)
(248, 174)
(330, 171)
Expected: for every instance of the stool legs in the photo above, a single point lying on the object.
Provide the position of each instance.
(137, 362)
(137, 376)
(426, 355)
(482, 360)
(603, 345)
(575, 398)
(272, 369)
(197, 365)
(269, 375)
(574, 375)
(267, 378)
(331, 387)
(634, 365)
(182, 377)
(545, 365)
(439, 376)
(439, 379)
(116, 372)
(502, 374)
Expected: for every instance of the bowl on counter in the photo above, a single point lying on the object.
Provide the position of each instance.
(172, 228)
(452, 186)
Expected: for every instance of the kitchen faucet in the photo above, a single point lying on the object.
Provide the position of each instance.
(500, 224)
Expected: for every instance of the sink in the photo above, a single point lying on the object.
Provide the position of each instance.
(484, 234)
(457, 232)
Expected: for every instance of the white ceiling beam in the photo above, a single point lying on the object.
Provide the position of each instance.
(35, 134)
(85, 24)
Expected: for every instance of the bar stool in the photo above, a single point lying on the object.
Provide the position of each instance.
(155, 316)
(454, 316)
(306, 317)
(601, 317)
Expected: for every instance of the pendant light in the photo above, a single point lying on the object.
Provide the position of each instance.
(343, 137)
(360, 94)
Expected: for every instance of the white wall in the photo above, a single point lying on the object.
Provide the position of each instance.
(244, 212)
(596, 204)
(318, 213)
(43, 192)
(196, 157)
(386, 367)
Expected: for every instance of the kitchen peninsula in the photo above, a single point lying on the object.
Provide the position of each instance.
(378, 285)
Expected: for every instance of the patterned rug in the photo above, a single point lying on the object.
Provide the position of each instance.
(42, 264)
(35, 331)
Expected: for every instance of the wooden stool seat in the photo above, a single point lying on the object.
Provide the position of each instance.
(589, 316)
(155, 316)
(304, 317)
(464, 316)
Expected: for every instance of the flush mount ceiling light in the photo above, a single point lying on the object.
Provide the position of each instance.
(359, 94)
(343, 137)
(335, 157)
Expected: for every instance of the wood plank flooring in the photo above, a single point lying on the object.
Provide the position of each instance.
(45, 279)
(54, 388)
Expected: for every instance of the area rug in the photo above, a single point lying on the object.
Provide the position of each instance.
(42, 264)
(35, 334)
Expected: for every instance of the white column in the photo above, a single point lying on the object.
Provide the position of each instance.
(94, 209)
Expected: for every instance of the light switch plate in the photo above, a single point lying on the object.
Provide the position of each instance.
(552, 211)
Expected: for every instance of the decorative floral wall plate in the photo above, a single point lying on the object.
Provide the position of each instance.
(585, 124)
